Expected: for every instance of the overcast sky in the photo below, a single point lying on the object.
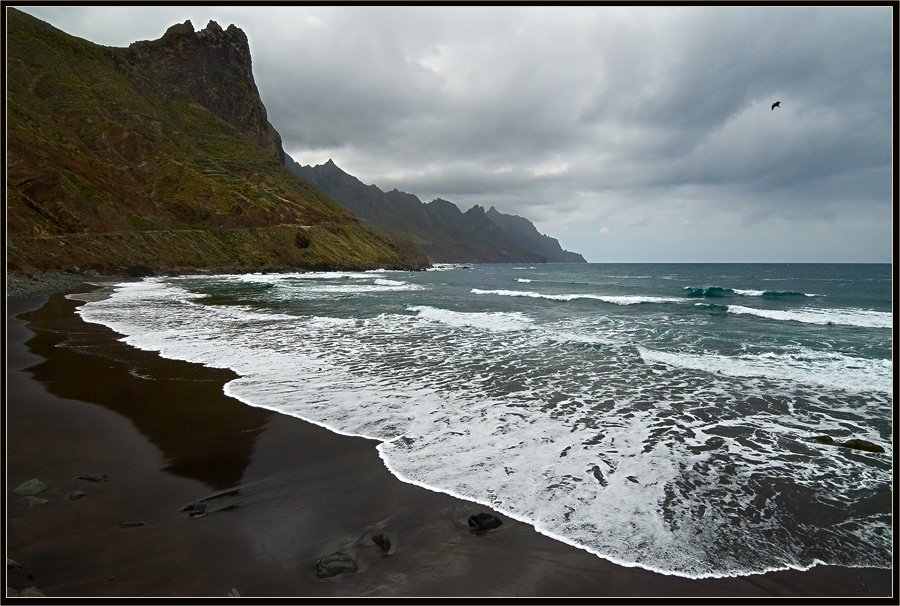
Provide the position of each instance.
(630, 134)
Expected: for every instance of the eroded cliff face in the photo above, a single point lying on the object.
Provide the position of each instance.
(211, 66)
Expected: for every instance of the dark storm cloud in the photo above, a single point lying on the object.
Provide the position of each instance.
(628, 133)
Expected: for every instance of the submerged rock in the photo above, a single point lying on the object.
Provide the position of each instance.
(484, 521)
(598, 474)
(131, 524)
(824, 439)
(335, 564)
(854, 443)
(77, 494)
(862, 445)
(33, 486)
(32, 501)
(96, 478)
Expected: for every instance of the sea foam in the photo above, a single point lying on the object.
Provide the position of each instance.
(618, 432)
(850, 317)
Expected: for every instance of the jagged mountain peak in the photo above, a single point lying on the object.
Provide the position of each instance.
(211, 66)
(212, 30)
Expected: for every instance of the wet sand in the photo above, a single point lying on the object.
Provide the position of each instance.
(281, 494)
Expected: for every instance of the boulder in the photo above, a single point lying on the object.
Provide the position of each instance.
(335, 564)
(484, 521)
(862, 445)
(33, 486)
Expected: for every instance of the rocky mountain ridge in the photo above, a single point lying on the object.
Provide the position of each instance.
(438, 228)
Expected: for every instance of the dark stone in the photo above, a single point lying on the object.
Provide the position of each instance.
(595, 470)
(383, 542)
(823, 439)
(76, 494)
(33, 486)
(195, 509)
(862, 445)
(335, 564)
(484, 521)
(32, 501)
(131, 524)
(96, 478)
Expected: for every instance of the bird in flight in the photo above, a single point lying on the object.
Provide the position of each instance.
(776, 104)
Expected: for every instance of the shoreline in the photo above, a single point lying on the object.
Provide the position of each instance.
(281, 493)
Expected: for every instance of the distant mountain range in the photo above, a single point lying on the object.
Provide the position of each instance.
(439, 228)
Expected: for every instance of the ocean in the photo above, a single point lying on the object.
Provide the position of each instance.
(656, 415)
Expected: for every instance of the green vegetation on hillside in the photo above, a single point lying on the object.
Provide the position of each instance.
(105, 172)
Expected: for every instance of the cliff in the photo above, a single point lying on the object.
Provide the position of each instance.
(159, 154)
(523, 231)
(439, 229)
(212, 67)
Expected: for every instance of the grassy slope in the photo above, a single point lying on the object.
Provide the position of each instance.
(101, 176)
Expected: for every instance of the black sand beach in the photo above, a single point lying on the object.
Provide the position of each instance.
(281, 494)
